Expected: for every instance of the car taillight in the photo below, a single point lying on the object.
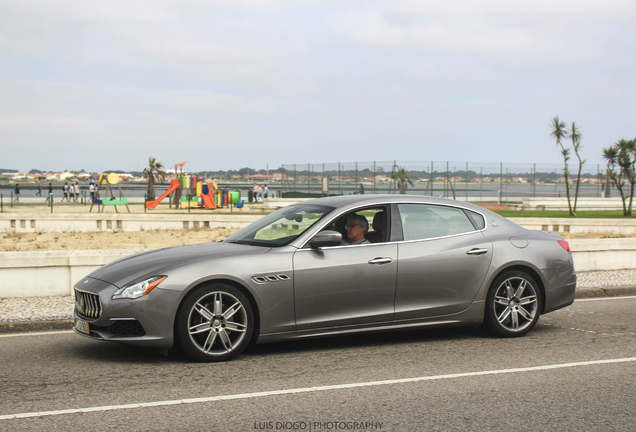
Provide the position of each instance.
(565, 246)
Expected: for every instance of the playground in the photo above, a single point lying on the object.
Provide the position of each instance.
(187, 191)
(184, 192)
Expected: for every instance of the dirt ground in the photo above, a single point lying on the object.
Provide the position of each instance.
(14, 242)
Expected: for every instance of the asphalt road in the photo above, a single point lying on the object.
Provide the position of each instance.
(576, 371)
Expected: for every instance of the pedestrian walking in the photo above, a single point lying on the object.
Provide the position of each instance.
(91, 189)
(265, 191)
(16, 192)
(39, 192)
(260, 192)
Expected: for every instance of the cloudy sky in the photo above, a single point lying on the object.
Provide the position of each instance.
(228, 84)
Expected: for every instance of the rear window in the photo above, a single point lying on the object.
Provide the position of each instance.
(478, 220)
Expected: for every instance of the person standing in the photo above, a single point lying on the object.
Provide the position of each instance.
(49, 198)
(91, 189)
(65, 190)
(255, 192)
(76, 190)
(265, 191)
(71, 192)
(16, 192)
(39, 192)
(260, 192)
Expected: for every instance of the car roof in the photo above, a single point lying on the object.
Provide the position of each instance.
(345, 201)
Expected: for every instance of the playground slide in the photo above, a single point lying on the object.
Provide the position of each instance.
(208, 202)
(174, 184)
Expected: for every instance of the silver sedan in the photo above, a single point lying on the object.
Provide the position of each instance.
(332, 266)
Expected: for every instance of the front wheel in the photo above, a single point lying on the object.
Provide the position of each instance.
(214, 323)
(513, 305)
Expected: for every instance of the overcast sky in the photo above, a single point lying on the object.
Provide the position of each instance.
(228, 84)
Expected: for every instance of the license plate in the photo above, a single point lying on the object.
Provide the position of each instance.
(82, 327)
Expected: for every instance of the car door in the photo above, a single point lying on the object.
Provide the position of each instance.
(344, 285)
(443, 261)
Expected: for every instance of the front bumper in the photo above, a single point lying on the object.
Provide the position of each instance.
(145, 321)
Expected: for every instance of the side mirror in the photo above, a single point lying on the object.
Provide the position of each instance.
(325, 239)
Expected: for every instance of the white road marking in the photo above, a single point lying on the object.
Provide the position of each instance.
(35, 333)
(605, 298)
(314, 389)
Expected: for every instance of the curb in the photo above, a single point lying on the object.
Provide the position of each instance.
(67, 324)
(585, 293)
(35, 326)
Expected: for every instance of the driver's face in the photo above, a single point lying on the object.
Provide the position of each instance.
(355, 231)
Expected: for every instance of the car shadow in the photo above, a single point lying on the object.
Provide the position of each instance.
(364, 340)
(112, 352)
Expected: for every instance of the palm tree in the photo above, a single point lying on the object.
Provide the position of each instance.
(402, 178)
(559, 133)
(622, 155)
(575, 136)
(153, 173)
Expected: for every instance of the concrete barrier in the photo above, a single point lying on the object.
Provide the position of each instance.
(562, 204)
(52, 273)
(40, 274)
(25, 222)
(579, 226)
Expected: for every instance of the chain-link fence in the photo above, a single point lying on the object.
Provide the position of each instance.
(459, 180)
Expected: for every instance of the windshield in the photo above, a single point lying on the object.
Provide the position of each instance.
(280, 227)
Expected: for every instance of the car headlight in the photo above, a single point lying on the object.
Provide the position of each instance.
(139, 289)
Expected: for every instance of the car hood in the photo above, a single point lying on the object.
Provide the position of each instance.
(146, 264)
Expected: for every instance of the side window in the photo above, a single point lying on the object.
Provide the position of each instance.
(478, 220)
(423, 221)
(376, 217)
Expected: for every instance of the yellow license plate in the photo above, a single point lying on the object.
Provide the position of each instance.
(82, 327)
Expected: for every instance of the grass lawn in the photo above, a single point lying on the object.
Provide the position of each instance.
(583, 214)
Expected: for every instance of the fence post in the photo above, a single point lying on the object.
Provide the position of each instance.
(500, 180)
(374, 175)
(466, 181)
(481, 181)
(11, 198)
(432, 180)
(356, 182)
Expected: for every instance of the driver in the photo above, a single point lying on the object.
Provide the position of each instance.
(357, 228)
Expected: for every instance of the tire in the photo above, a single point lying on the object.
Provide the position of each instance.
(513, 305)
(214, 323)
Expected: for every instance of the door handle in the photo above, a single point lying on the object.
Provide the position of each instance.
(381, 261)
(477, 251)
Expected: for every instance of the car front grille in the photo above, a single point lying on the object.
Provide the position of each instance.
(127, 328)
(87, 304)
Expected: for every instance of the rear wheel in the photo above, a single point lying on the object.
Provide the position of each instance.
(214, 323)
(513, 305)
